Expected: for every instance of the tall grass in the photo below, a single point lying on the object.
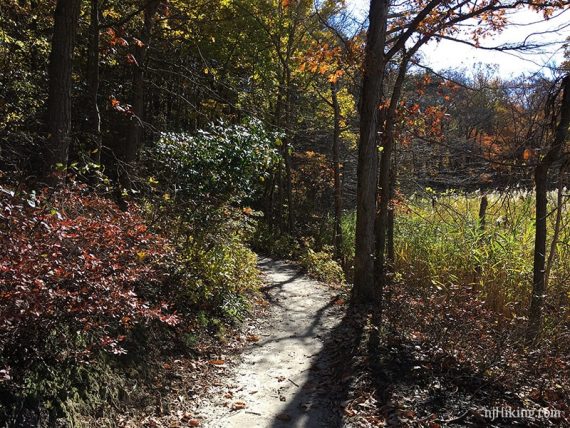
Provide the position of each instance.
(440, 243)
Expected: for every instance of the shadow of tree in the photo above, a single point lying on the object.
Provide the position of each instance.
(406, 383)
(368, 373)
(318, 403)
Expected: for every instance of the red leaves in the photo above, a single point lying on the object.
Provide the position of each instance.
(132, 60)
(76, 269)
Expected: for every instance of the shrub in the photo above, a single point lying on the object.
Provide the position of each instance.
(270, 241)
(215, 276)
(224, 165)
(321, 266)
(76, 276)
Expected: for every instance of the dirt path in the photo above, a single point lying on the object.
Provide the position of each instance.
(284, 379)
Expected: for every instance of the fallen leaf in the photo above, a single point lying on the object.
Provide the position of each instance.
(239, 405)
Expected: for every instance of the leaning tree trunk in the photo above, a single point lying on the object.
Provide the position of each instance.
(93, 125)
(541, 183)
(557, 226)
(337, 172)
(135, 135)
(60, 70)
(390, 248)
(374, 68)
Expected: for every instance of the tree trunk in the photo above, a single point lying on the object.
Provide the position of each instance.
(541, 183)
(538, 289)
(287, 156)
(337, 236)
(60, 70)
(557, 227)
(93, 126)
(367, 171)
(134, 138)
(484, 203)
(390, 251)
(385, 181)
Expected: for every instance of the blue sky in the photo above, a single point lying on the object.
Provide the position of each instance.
(525, 23)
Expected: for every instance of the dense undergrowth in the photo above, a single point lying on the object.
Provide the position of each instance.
(444, 245)
(441, 244)
(95, 294)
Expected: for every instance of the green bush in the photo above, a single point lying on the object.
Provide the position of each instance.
(214, 271)
(321, 266)
(204, 178)
(216, 276)
(224, 165)
(269, 241)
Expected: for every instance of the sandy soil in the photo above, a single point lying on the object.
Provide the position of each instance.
(282, 380)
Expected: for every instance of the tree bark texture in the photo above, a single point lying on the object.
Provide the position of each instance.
(134, 138)
(60, 70)
(371, 95)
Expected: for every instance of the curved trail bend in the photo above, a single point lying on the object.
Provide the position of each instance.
(286, 378)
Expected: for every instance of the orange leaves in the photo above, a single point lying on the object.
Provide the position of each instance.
(334, 77)
(420, 120)
(114, 39)
(120, 107)
(529, 154)
(322, 59)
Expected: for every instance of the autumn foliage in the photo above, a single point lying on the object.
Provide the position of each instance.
(76, 274)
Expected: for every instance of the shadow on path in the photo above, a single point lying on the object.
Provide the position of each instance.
(318, 402)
